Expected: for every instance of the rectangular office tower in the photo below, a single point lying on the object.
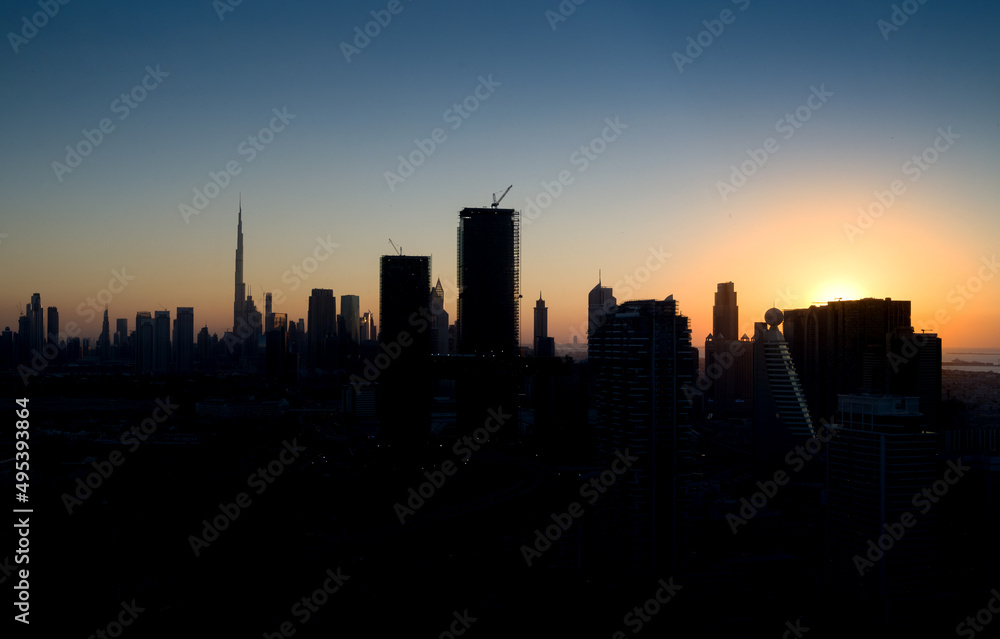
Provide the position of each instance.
(322, 329)
(184, 339)
(843, 348)
(404, 394)
(161, 342)
(880, 527)
(489, 265)
(640, 358)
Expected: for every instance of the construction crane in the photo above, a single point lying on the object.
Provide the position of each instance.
(398, 250)
(496, 202)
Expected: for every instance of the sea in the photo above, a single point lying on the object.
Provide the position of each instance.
(987, 355)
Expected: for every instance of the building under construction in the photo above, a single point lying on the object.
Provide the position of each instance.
(489, 264)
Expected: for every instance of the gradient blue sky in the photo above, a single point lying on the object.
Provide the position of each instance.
(781, 238)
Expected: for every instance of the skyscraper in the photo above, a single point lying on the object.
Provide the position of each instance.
(143, 343)
(53, 325)
(161, 342)
(350, 310)
(268, 313)
(728, 357)
(184, 338)
(543, 344)
(488, 281)
(368, 328)
(781, 414)
(404, 393)
(121, 337)
(322, 330)
(439, 326)
(104, 340)
(640, 358)
(842, 348)
(725, 313)
(404, 295)
(239, 302)
(881, 457)
(599, 302)
(37, 332)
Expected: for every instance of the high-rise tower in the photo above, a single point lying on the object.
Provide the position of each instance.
(600, 301)
(544, 345)
(725, 313)
(488, 281)
(641, 358)
(239, 303)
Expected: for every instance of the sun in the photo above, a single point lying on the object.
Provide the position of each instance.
(836, 289)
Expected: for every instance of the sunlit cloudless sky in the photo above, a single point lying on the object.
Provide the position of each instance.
(789, 236)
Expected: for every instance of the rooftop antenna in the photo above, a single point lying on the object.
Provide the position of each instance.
(399, 250)
(496, 202)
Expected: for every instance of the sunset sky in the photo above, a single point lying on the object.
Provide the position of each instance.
(873, 108)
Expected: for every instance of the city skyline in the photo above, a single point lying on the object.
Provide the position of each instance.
(803, 147)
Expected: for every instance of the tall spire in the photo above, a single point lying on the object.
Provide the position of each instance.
(239, 302)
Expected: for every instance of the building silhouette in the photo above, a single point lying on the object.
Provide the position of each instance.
(52, 325)
(728, 358)
(104, 340)
(37, 335)
(882, 455)
(161, 342)
(488, 281)
(439, 325)
(350, 311)
(121, 344)
(322, 332)
(843, 348)
(781, 416)
(543, 345)
(184, 339)
(404, 393)
(640, 358)
(240, 295)
(600, 301)
(143, 343)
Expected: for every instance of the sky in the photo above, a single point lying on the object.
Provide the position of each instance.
(805, 151)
